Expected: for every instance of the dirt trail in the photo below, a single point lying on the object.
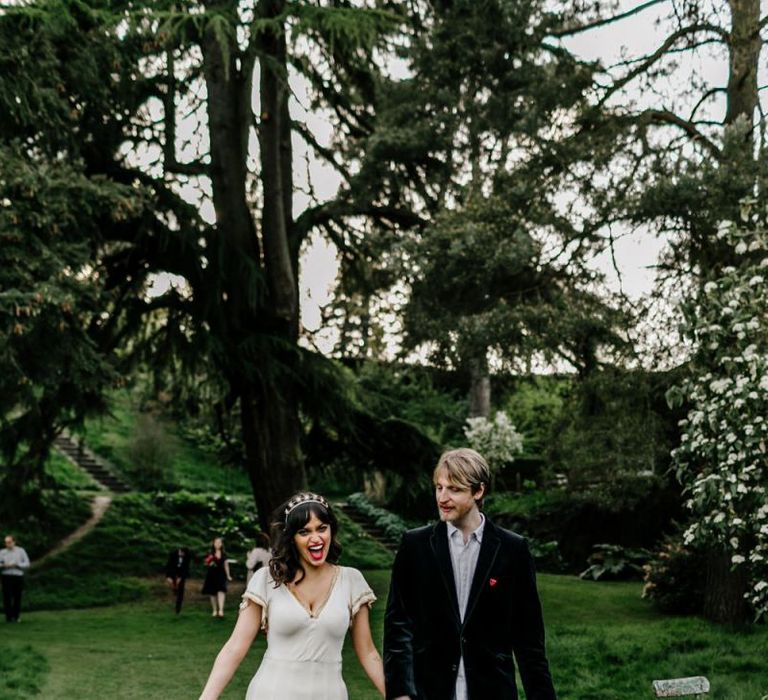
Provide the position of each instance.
(99, 506)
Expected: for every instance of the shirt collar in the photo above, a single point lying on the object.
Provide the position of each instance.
(477, 534)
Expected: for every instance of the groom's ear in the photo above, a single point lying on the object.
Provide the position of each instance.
(480, 492)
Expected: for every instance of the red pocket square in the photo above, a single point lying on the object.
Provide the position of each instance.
(493, 582)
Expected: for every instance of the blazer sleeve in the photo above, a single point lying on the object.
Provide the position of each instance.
(529, 646)
(398, 630)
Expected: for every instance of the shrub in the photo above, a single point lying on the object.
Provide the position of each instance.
(391, 524)
(151, 453)
(546, 555)
(674, 578)
(611, 562)
(496, 440)
(58, 513)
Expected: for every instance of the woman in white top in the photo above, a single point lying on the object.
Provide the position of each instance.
(258, 556)
(306, 603)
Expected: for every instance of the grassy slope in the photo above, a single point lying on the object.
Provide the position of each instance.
(133, 539)
(191, 469)
(67, 475)
(65, 510)
(604, 643)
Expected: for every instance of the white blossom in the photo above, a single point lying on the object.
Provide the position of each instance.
(497, 441)
(722, 457)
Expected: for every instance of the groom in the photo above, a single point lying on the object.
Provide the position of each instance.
(463, 600)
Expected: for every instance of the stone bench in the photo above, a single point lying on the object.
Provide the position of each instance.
(681, 687)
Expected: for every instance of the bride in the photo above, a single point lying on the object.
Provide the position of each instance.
(305, 602)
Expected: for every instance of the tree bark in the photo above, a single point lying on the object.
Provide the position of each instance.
(276, 177)
(229, 117)
(744, 56)
(479, 389)
(272, 437)
(724, 591)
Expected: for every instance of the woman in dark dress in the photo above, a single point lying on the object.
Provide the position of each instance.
(216, 577)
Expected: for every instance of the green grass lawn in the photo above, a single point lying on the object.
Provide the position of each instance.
(604, 643)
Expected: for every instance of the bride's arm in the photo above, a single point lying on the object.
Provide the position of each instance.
(366, 650)
(233, 651)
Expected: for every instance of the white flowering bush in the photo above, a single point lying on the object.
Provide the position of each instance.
(721, 460)
(496, 440)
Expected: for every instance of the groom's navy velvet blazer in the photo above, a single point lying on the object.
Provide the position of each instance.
(424, 637)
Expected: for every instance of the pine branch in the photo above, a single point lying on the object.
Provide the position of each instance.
(327, 153)
(323, 214)
(704, 98)
(650, 59)
(664, 116)
(578, 29)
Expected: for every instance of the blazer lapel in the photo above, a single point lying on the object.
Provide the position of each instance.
(488, 551)
(439, 543)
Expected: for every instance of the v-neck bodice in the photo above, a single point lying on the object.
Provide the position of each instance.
(303, 657)
(324, 600)
(293, 633)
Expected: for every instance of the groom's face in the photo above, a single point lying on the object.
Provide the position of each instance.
(454, 501)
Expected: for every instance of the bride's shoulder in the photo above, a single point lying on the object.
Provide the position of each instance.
(351, 575)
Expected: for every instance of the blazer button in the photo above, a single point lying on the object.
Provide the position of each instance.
(463, 640)
(454, 667)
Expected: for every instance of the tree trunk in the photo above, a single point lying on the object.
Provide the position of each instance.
(479, 389)
(272, 434)
(280, 261)
(744, 56)
(724, 591)
(257, 328)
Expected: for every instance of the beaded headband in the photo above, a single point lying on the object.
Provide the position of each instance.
(296, 501)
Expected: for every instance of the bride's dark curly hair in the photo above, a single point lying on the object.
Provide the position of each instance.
(287, 520)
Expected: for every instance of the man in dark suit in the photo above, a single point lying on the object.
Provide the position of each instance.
(463, 604)
(177, 573)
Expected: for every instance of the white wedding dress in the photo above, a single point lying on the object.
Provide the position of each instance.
(303, 657)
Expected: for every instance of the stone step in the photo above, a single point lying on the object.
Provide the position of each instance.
(98, 468)
(370, 528)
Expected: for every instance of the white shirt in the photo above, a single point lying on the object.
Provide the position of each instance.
(16, 559)
(464, 560)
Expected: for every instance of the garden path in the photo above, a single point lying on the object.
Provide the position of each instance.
(99, 469)
(99, 506)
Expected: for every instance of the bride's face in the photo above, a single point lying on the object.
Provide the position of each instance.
(312, 541)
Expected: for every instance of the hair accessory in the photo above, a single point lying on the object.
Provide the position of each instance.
(302, 498)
